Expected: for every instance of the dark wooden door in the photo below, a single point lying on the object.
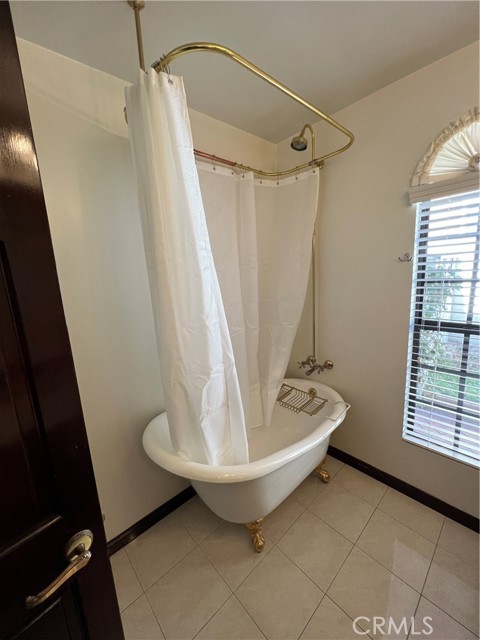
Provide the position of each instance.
(47, 487)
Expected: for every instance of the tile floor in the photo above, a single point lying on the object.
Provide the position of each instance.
(334, 552)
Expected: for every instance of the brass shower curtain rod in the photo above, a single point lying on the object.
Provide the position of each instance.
(165, 61)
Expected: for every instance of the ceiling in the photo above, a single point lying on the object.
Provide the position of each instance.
(332, 53)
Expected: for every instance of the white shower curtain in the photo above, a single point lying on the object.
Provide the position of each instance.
(225, 322)
(261, 237)
(199, 379)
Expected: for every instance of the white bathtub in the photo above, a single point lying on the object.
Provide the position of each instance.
(282, 455)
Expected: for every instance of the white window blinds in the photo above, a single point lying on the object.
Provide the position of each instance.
(442, 398)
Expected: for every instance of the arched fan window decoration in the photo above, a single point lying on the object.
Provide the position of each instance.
(443, 373)
(453, 159)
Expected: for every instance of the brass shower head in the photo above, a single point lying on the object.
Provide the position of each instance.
(300, 143)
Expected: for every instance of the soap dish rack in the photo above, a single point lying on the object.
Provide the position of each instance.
(297, 400)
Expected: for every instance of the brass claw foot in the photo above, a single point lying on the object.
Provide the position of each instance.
(323, 473)
(255, 529)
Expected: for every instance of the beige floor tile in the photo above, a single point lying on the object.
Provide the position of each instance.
(453, 586)
(443, 626)
(229, 548)
(127, 586)
(279, 597)
(231, 622)
(332, 465)
(139, 623)
(197, 519)
(342, 510)
(277, 522)
(400, 549)
(364, 588)
(460, 541)
(185, 599)
(310, 488)
(361, 485)
(329, 622)
(157, 550)
(316, 548)
(417, 516)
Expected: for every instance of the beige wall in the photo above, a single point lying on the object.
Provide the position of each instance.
(363, 293)
(88, 180)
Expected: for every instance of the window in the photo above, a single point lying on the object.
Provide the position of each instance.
(443, 387)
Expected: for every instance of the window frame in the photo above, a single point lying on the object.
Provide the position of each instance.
(413, 401)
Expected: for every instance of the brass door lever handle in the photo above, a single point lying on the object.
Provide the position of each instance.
(78, 554)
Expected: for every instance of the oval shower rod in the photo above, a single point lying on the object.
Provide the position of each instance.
(163, 65)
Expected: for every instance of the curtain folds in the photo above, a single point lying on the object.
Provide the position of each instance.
(261, 236)
(201, 389)
(228, 260)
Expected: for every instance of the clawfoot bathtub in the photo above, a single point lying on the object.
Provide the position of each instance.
(282, 455)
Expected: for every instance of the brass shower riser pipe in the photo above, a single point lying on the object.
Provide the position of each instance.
(314, 293)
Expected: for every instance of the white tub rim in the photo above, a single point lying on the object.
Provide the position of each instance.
(157, 430)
